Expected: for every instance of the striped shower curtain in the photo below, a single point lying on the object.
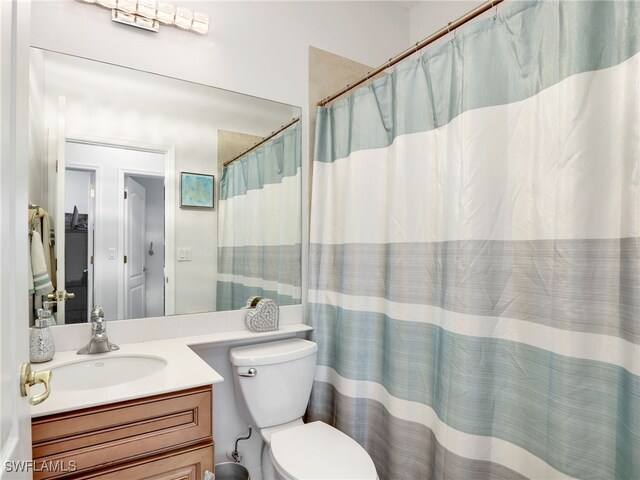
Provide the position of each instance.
(475, 252)
(259, 224)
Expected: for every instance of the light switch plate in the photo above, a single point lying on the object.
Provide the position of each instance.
(184, 254)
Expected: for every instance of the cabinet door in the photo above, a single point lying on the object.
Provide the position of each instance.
(186, 464)
(100, 437)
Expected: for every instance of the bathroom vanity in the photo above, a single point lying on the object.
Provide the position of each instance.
(163, 436)
(144, 411)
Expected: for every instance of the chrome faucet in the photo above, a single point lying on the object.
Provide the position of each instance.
(99, 342)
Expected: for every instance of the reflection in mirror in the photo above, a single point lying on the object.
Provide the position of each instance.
(259, 250)
(107, 145)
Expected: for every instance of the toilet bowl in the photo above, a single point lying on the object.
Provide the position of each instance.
(273, 384)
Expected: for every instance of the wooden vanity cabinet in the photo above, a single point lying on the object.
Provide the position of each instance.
(164, 437)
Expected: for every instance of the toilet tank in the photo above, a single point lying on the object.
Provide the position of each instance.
(280, 388)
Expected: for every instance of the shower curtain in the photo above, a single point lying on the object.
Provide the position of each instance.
(259, 224)
(475, 252)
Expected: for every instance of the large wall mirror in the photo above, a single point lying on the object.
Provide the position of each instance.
(147, 198)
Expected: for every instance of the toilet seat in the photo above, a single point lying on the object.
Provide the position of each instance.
(317, 451)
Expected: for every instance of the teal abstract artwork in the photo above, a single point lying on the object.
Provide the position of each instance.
(196, 190)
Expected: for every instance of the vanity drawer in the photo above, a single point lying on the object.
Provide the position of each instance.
(117, 433)
(186, 464)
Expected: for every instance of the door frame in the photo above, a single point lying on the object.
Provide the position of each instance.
(15, 415)
(170, 200)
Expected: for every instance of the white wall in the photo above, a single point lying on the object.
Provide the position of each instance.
(77, 185)
(430, 16)
(258, 48)
(37, 132)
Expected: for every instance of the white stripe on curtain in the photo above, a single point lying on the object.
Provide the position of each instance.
(532, 153)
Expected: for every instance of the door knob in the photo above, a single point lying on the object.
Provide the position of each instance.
(60, 296)
(28, 378)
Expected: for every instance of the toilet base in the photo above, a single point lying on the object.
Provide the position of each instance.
(268, 470)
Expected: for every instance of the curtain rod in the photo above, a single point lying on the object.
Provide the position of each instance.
(418, 46)
(268, 137)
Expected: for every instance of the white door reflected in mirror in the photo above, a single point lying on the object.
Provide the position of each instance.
(134, 241)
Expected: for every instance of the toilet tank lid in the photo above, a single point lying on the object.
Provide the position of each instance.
(272, 352)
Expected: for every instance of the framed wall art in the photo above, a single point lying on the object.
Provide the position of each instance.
(196, 190)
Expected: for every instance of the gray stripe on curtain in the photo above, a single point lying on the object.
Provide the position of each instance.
(411, 100)
(269, 262)
(580, 285)
(400, 449)
(585, 410)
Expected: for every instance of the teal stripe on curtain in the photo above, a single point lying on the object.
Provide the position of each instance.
(528, 47)
(588, 411)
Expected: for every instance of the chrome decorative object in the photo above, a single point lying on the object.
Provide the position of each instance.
(99, 342)
(263, 315)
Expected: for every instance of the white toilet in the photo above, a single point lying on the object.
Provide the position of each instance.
(273, 385)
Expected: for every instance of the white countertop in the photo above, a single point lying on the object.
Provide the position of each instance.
(184, 369)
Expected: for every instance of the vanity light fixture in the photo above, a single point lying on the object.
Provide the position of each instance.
(107, 3)
(134, 20)
(183, 18)
(149, 14)
(147, 8)
(165, 13)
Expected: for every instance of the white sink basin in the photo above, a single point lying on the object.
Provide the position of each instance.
(104, 371)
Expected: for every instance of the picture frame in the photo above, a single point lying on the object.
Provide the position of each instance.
(197, 190)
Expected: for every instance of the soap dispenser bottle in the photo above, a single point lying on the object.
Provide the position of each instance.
(41, 348)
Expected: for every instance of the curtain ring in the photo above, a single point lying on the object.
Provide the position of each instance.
(449, 32)
(416, 50)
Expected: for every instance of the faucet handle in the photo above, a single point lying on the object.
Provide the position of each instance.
(97, 313)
